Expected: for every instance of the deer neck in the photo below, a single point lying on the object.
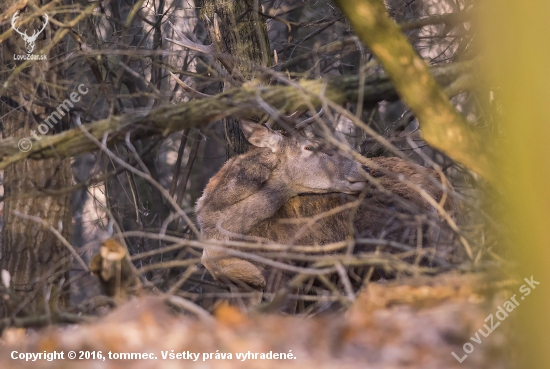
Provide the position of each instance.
(235, 206)
(243, 216)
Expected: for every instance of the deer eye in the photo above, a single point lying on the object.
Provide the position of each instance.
(309, 148)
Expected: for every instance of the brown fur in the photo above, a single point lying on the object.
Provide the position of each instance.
(372, 216)
(259, 194)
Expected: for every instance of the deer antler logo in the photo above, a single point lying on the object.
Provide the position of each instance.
(29, 40)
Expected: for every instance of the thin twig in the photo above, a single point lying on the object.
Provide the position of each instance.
(345, 281)
(177, 166)
(187, 171)
(191, 307)
(194, 93)
(185, 42)
(145, 176)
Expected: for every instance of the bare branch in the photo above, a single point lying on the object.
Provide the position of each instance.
(192, 307)
(306, 122)
(238, 102)
(442, 126)
(145, 176)
(185, 42)
(194, 93)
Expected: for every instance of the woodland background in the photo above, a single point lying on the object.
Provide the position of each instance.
(161, 117)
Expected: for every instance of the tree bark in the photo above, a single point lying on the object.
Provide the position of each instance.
(37, 261)
(240, 32)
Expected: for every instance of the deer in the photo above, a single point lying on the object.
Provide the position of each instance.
(285, 177)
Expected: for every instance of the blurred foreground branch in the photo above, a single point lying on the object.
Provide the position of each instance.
(442, 126)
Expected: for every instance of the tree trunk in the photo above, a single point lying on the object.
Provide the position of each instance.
(243, 35)
(34, 257)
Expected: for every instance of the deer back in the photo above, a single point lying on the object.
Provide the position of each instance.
(387, 213)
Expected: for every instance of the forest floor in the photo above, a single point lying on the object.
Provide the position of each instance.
(409, 323)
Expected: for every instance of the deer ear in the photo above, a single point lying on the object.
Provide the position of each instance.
(261, 136)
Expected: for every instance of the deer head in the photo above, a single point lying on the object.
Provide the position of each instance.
(29, 40)
(306, 165)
